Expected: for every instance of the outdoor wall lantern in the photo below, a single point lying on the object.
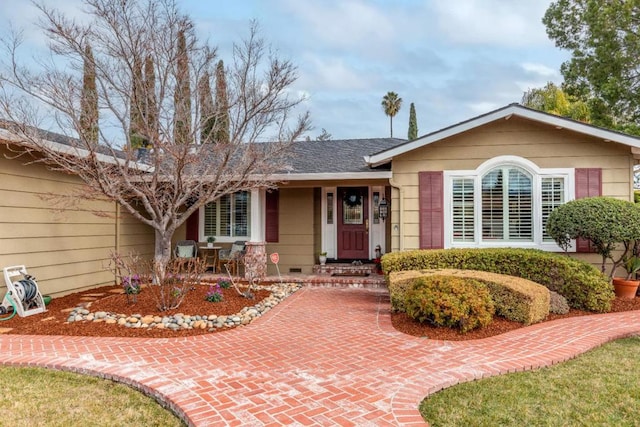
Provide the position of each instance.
(383, 209)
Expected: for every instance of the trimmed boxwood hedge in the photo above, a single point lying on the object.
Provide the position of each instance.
(514, 297)
(454, 302)
(579, 282)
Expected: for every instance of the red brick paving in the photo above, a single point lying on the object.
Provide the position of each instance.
(325, 356)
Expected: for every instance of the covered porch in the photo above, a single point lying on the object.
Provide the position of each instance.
(347, 220)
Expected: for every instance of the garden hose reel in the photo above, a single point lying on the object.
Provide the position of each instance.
(23, 291)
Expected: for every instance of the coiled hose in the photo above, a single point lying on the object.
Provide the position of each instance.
(27, 290)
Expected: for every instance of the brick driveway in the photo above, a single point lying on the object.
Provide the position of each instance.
(325, 356)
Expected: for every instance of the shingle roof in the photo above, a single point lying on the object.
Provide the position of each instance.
(308, 157)
(338, 156)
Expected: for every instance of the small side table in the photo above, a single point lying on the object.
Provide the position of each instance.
(210, 256)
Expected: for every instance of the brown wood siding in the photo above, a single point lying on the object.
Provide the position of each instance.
(431, 185)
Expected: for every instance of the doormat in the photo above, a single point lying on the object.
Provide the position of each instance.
(350, 273)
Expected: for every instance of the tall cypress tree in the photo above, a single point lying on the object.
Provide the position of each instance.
(136, 107)
(207, 110)
(182, 94)
(150, 113)
(89, 99)
(413, 124)
(222, 105)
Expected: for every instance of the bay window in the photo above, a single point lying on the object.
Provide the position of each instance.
(505, 202)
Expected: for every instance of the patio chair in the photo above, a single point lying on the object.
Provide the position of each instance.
(186, 251)
(232, 257)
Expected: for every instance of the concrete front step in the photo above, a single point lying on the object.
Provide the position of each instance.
(345, 269)
(371, 281)
(321, 280)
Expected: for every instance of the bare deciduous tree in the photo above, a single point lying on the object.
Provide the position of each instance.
(175, 179)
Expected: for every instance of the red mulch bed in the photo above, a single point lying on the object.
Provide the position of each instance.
(500, 325)
(53, 321)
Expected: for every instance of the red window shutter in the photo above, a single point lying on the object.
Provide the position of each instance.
(588, 184)
(272, 230)
(192, 227)
(431, 201)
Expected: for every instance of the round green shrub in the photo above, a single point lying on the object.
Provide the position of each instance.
(453, 302)
(604, 221)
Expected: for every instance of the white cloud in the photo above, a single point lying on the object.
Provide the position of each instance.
(330, 74)
(25, 16)
(537, 75)
(540, 69)
(483, 107)
(344, 24)
(497, 22)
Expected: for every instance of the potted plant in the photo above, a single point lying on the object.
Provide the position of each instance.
(626, 287)
(210, 241)
(322, 258)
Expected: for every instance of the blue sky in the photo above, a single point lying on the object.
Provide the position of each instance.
(454, 59)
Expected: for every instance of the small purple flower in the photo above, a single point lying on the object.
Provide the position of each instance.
(214, 294)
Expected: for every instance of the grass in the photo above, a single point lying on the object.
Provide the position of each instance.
(599, 388)
(35, 396)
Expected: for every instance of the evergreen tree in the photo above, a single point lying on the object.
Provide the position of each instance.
(182, 94)
(391, 103)
(222, 105)
(603, 38)
(150, 113)
(413, 124)
(89, 99)
(207, 110)
(324, 136)
(136, 108)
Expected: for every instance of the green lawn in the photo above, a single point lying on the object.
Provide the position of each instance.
(599, 388)
(42, 397)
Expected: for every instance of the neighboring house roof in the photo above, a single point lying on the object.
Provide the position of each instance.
(506, 112)
(11, 131)
(336, 159)
(309, 160)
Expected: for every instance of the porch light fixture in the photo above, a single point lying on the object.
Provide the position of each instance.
(383, 209)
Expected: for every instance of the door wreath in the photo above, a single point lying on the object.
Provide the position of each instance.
(352, 198)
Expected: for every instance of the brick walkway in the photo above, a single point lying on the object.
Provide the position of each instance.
(322, 357)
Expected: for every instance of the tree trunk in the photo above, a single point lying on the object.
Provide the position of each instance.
(391, 125)
(162, 255)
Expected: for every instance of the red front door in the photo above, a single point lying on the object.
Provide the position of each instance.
(353, 223)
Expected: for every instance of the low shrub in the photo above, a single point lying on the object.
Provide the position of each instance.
(514, 298)
(453, 302)
(558, 303)
(580, 283)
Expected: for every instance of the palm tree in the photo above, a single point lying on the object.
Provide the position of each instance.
(391, 103)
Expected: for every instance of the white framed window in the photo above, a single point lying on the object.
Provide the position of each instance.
(505, 202)
(228, 218)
